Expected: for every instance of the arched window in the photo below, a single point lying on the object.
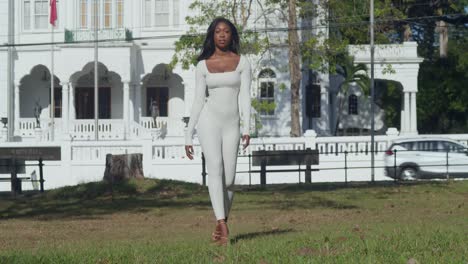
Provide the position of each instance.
(267, 81)
(352, 105)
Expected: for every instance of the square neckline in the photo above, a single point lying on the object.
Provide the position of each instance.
(235, 70)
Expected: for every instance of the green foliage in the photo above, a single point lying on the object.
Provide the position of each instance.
(388, 97)
(442, 97)
(261, 106)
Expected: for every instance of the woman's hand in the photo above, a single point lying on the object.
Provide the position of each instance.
(246, 140)
(189, 151)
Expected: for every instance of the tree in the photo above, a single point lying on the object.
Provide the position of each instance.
(352, 74)
(294, 69)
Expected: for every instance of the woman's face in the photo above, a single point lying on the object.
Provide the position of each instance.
(222, 35)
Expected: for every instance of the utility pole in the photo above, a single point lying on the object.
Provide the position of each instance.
(372, 90)
(10, 72)
(96, 4)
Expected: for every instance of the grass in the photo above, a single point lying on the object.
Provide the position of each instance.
(162, 221)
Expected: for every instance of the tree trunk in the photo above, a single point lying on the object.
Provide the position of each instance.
(442, 29)
(294, 69)
(123, 167)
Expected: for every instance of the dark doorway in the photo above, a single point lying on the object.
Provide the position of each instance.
(84, 98)
(161, 95)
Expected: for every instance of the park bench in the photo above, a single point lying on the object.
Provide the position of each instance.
(264, 158)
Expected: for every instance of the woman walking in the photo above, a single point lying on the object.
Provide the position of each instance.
(227, 76)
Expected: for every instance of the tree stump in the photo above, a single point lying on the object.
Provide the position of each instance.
(123, 167)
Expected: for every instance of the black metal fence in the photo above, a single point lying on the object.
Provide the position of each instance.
(394, 169)
(13, 167)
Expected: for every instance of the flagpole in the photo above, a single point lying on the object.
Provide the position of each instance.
(52, 90)
(372, 88)
(52, 20)
(96, 83)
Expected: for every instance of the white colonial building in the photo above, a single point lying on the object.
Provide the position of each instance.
(132, 73)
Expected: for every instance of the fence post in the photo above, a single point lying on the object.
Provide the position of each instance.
(203, 169)
(310, 138)
(346, 166)
(14, 177)
(394, 166)
(41, 174)
(447, 165)
(299, 172)
(263, 172)
(250, 169)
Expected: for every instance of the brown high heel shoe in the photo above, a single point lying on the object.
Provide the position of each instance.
(223, 238)
(217, 233)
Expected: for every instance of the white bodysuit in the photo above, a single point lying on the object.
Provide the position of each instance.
(217, 119)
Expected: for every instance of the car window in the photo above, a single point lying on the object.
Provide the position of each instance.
(441, 147)
(453, 147)
(402, 146)
(407, 145)
(426, 146)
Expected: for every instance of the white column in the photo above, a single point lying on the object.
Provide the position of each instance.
(414, 119)
(407, 120)
(71, 105)
(139, 101)
(126, 98)
(65, 108)
(132, 103)
(17, 109)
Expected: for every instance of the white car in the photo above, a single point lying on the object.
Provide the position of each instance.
(418, 158)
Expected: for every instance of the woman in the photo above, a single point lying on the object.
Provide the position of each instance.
(227, 76)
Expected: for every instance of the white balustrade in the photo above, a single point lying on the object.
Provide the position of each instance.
(27, 126)
(87, 151)
(28, 129)
(171, 126)
(108, 129)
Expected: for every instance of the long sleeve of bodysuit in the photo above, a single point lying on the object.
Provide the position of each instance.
(198, 102)
(244, 94)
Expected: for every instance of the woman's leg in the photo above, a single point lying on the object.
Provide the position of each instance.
(231, 139)
(211, 140)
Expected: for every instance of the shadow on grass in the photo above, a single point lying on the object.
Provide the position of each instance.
(253, 235)
(294, 202)
(91, 200)
(332, 186)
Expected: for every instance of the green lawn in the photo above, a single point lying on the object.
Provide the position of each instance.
(160, 221)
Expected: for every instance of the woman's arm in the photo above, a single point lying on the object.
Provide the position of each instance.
(244, 94)
(198, 102)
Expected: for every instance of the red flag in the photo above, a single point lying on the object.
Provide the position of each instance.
(53, 12)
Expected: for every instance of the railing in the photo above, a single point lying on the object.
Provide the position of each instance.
(354, 144)
(103, 34)
(174, 126)
(327, 146)
(84, 151)
(110, 129)
(28, 128)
